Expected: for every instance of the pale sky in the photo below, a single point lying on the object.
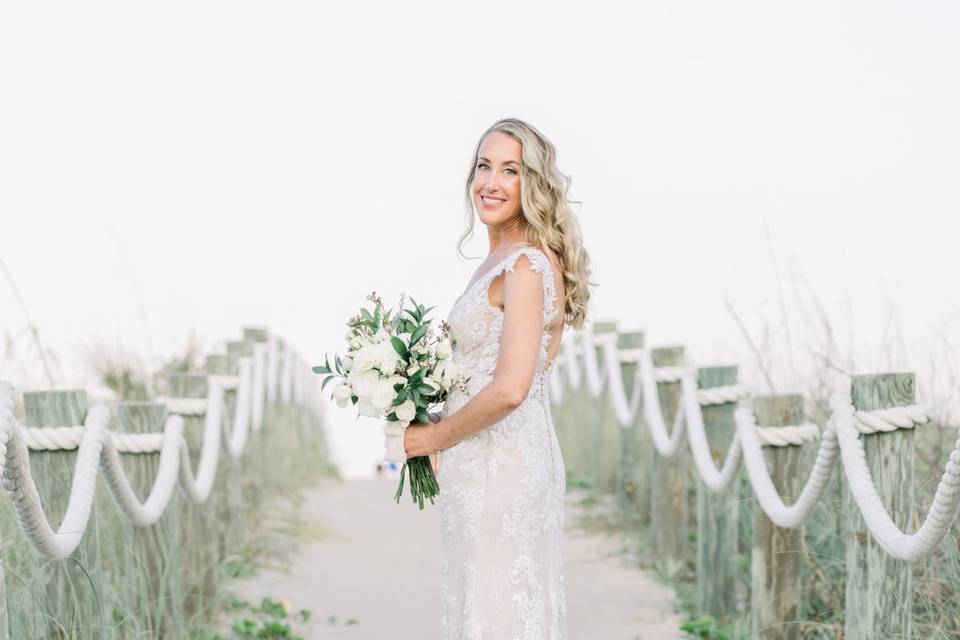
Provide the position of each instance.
(208, 165)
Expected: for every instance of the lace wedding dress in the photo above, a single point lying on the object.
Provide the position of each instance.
(502, 489)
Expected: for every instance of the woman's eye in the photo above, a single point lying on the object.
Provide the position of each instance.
(512, 171)
(481, 165)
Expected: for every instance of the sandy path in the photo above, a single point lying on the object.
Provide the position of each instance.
(377, 562)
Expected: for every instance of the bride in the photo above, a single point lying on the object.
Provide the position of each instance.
(494, 449)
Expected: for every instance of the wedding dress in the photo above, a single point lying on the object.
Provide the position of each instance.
(502, 489)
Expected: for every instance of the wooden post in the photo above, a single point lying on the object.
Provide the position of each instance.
(231, 478)
(776, 557)
(879, 593)
(669, 530)
(603, 425)
(199, 534)
(632, 483)
(156, 603)
(255, 334)
(717, 513)
(69, 588)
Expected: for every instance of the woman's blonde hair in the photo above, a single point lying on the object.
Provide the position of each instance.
(547, 217)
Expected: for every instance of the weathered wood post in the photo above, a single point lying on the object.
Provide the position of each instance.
(717, 513)
(71, 589)
(669, 529)
(776, 556)
(199, 534)
(231, 477)
(632, 482)
(264, 446)
(156, 602)
(605, 439)
(879, 593)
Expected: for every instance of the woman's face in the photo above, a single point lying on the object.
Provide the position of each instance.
(496, 179)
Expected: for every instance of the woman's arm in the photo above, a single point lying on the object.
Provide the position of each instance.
(516, 361)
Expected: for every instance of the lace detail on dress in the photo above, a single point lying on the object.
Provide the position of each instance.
(502, 489)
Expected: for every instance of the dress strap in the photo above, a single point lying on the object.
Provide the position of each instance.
(540, 263)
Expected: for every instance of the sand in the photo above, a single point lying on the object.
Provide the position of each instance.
(376, 562)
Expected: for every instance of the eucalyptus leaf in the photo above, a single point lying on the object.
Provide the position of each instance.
(419, 333)
(399, 347)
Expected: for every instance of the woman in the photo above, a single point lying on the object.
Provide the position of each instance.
(498, 462)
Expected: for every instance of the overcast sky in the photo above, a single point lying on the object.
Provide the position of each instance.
(200, 166)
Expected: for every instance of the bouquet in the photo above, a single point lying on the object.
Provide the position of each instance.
(396, 368)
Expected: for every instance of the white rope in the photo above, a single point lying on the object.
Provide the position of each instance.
(670, 374)
(839, 438)
(259, 383)
(666, 444)
(788, 435)
(273, 367)
(625, 410)
(66, 438)
(596, 377)
(184, 406)
(758, 474)
(721, 395)
(286, 374)
(885, 531)
(890, 419)
(229, 383)
(98, 448)
(713, 479)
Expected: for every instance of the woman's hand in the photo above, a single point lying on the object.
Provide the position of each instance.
(420, 439)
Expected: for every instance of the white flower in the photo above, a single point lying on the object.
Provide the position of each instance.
(382, 393)
(444, 350)
(381, 335)
(406, 411)
(386, 358)
(342, 393)
(361, 381)
(412, 369)
(380, 356)
(446, 371)
(430, 382)
(345, 363)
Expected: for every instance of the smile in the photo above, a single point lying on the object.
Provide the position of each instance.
(491, 202)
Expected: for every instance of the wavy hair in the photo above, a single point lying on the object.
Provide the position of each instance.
(548, 219)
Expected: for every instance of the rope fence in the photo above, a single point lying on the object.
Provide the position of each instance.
(259, 385)
(607, 377)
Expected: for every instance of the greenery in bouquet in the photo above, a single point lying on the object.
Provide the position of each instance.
(396, 368)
